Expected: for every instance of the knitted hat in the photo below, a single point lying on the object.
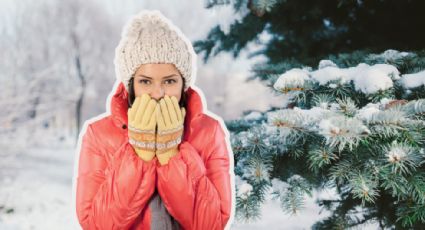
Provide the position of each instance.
(149, 37)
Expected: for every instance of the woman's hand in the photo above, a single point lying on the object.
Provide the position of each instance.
(170, 118)
(142, 121)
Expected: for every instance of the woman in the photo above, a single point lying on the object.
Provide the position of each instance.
(157, 161)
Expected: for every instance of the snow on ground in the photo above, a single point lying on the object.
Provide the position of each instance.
(36, 193)
(37, 185)
(273, 218)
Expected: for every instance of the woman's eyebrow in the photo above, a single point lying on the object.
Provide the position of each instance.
(172, 75)
(169, 76)
(143, 76)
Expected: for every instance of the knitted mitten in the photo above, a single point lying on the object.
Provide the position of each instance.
(142, 125)
(170, 120)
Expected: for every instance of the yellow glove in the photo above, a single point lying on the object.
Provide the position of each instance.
(142, 125)
(170, 120)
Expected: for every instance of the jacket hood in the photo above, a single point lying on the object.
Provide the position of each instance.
(119, 105)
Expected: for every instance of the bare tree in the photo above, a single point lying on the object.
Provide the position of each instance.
(54, 52)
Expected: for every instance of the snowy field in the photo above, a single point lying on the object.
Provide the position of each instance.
(37, 185)
(36, 193)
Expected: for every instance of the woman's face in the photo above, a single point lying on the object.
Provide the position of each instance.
(158, 80)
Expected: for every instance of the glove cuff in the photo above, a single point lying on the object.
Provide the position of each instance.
(142, 139)
(169, 141)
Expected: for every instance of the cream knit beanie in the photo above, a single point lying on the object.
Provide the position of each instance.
(149, 37)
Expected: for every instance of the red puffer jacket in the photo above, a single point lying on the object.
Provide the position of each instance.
(114, 185)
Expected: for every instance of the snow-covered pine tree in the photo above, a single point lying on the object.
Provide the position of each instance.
(355, 124)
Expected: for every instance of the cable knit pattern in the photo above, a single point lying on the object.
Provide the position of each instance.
(149, 37)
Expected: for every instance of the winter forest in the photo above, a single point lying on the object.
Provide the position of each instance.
(324, 102)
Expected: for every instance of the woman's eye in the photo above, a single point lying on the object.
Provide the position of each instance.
(170, 81)
(144, 81)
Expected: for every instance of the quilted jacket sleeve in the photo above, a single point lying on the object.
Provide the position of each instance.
(198, 194)
(111, 196)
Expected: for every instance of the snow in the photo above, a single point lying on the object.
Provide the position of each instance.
(371, 109)
(372, 80)
(37, 184)
(244, 190)
(413, 80)
(291, 79)
(339, 125)
(327, 128)
(330, 73)
(367, 79)
(391, 55)
(278, 185)
(384, 102)
(226, 16)
(254, 115)
(366, 113)
(396, 154)
(281, 115)
(400, 152)
(315, 113)
(390, 70)
(273, 218)
(298, 116)
(326, 63)
(333, 86)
